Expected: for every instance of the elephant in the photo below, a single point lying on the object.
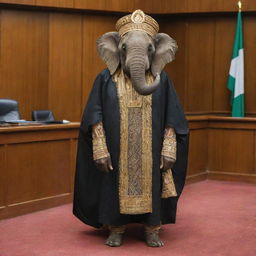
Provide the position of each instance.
(133, 131)
(137, 52)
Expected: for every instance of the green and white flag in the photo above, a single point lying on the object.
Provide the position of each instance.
(236, 72)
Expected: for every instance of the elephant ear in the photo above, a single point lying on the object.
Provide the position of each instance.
(166, 48)
(107, 46)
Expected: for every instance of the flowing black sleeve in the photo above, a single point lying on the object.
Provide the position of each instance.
(93, 110)
(174, 117)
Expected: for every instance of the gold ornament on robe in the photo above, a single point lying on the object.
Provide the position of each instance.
(169, 150)
(135, 161)
(99, 142)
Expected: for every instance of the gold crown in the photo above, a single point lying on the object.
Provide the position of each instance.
(138, 20)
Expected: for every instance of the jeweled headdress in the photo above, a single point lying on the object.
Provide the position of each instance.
(138, 20)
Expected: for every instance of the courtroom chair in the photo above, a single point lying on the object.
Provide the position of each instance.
(9, 110)
(42, 115)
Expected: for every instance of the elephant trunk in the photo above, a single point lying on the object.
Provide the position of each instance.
(137, 73)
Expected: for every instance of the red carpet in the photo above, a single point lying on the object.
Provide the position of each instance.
(214, 218)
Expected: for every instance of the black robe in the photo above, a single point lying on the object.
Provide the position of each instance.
(96, 200)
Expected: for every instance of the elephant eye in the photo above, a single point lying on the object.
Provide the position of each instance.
(124, 47)
(150, 48)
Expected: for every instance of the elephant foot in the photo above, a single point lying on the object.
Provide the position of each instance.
(153, 239)
(115, 239)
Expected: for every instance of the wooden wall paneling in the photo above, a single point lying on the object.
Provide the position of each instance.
(36, 174)
(73, 153)
(254, 157)
(29, 2)
(249, 5)
(65, 61)
(55, 3)
(111, 5)
(120, 6)
(40, 170)
(24, 59)
(200, 5)
(93, 27)
(231, 5)
(218, 5)
(160, 6)
(88, 4)
(200, 44)
(250, 60)
(3, 173)
(231, 151)
(224, 40)
(149, 6)
(177, 70)
(198, 152)
(174, 6)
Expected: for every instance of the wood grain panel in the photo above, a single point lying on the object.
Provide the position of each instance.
(200, 5)
(111, 5)
(39, 170)
(149, 6)
(160, 6)
(231, 151)
(120, 6)
(200, 45)
(229, 176)
(56, 3)
(93, 27)
(231, 5)
(218, 5)
(174, 6)
(177, 70)
(250, 60)
(30, 2)
(3, 173)
(73, 153)
(24, 59)
(224, 40)
(65, 65)
(198, 151)
(87, 4)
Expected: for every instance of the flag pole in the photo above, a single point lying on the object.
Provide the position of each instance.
(239, 3)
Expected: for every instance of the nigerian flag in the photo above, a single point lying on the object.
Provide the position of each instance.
(236, 72)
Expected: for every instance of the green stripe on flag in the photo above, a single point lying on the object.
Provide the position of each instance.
(238, 110)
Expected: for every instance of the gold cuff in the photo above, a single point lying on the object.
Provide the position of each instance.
(169, 144)
(99, 145)
(168, 189)
(117, 229)
(152, 229)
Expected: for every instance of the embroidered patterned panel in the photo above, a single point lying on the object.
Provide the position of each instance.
(135, 162)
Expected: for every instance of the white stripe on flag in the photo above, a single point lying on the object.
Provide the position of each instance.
(237, 71)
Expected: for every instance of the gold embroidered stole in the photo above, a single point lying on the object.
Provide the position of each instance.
(135, 162)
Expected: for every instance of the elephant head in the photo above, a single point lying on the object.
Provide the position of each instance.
(137, 52)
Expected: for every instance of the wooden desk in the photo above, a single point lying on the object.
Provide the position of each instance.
(37, 166)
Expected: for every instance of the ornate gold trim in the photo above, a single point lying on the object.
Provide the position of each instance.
(138, 20)
(99, 145)
(168, 189)
(169, 144)
(129, 98)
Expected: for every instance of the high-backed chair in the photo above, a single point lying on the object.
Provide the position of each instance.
(42, 115)
(9, 110)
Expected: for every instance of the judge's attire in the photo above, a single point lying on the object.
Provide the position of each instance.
(134, 128)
